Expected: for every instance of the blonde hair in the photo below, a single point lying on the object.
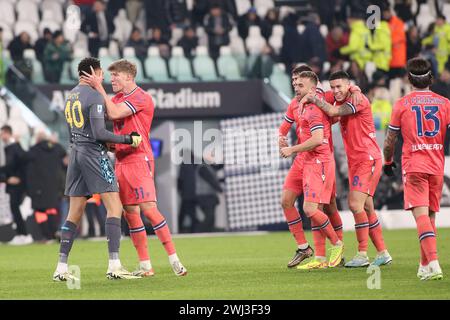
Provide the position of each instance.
(125, 66)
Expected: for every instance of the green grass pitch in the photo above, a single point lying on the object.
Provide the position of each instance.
(224, 267)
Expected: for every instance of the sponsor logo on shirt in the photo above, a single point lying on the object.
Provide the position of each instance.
(426, 146)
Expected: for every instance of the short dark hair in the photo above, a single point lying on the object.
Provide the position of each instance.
(300, 68)
(419, 73)
(87, 63)
(310, 75)
(339, 75)
(7, 128)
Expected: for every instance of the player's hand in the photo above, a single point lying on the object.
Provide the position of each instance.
(13, 181)
(92, 79)
(136, 139)
(286, 152)
(282, 142)
(356, 95)
(389, 169)
(111, 147)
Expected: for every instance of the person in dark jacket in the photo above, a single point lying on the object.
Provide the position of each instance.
(186, 190)
(18, 45)
(138, 43)
(313, 40)
(217, 24)
(13, 173)
(246, 21)
(41, 43)
(44, 176)
(178, 13)
(188, 42)
(98, 26)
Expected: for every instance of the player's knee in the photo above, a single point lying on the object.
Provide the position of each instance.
(355, 206)
(287, 203)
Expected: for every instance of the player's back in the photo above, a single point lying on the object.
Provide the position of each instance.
(141, 104)
(79, 102)
(422, 117)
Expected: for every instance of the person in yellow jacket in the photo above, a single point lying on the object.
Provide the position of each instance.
(358, 42)
(440, 38)
(380, 43)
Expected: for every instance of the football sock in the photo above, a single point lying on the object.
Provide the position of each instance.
(68, 232)
(320, 219)
(137, 234)
(161, 229)
(427, 237)
(295, 225)
(319, 239)
(113, 233)
(362, 230)
(336, 222)
(375, 232)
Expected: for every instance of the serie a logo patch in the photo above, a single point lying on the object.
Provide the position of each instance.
(99, 108)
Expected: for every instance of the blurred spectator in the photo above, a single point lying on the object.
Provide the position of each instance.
(160, 40)
(217, 24)
(2, 66)
(178, 13)
(360, 77)
(85, 7)
(325, 9)
(18, 45)
(357, 48)
(380, 44)
(187, 192)
(292, 49)
(398, 40)
(55, 54)
(199, 11)
(98, 26)
(247, 20)
(13, 173)
(134, 8)
(41, 43)
(335, 40)
(381, 106)
(413, 45)
(403, 10)
(440, 39)
(442, 84)
(263, 63)
(138, 43)
(95, 211)
(45, 183)
(188, 42)
(313, 40)
(157, 16)
(271, 19)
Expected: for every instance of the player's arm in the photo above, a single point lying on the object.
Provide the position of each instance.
(100, 133)
(114, 111)
(285, 126)
(310, 144)
(388, 151)
(332, 111)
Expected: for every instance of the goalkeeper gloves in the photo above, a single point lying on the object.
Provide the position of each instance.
(136, 139)
(388, 168)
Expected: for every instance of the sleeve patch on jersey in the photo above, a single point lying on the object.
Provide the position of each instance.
(99, 108)
(319, 126)
(394, 128)
(133, 109)
(352, 106)
(288, 119)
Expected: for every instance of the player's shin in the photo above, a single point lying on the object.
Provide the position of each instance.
(113, 233)
(68, 233)
(138, 234)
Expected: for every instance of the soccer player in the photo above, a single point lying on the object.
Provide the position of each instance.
(293, 188)
(89, 171)
(318, 177)
(132, 110)
(422, 118)
(364, 163)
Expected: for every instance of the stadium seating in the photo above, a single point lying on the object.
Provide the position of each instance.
(301, 28)
(202, 37)
(65, 75)
(179, 66)
(37, 75)
(227, 65)
(7, 34)
(280, 80)
(424, 18)
(203, 65)
(155, 66)
(324, 30)
(27, 10)
(28, 27)
(370, 69)
(130, 55)
(113, 49)
(276, 39)
(3, 112)
(21, 128)
(106, 60)
(8, 14)
(177, 34)
(78, 54)
(123, 27)
(262, 6)
(238, 49)
(242, 6)
(55, 7)
(255, 42)
(48, 22)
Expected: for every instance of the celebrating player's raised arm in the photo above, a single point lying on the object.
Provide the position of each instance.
(330, 110)
(313, 142)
